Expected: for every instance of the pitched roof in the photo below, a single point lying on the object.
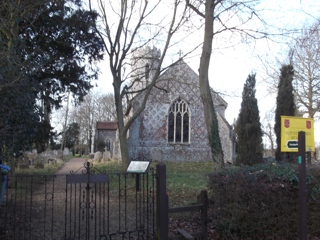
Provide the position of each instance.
(218, 100)
(107, 125)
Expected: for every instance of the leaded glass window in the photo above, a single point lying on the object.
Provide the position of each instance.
(179, 122)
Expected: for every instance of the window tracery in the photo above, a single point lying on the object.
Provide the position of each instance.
(179, 122)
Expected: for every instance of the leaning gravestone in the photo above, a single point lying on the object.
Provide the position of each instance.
(97, 157)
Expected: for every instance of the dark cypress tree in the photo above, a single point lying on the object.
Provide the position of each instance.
(285, 106)
(248, 127)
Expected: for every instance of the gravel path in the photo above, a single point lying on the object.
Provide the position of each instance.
(72, 165)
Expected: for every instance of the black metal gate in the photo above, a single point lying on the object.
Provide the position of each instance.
(83, 205)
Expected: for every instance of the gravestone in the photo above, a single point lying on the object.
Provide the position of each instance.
(66, 152)
(106, 156)
(97, 157)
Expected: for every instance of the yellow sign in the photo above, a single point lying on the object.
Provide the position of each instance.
(290, 127)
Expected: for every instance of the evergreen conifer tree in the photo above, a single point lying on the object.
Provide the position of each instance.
(248, 127)
(47, 49)
(285, 106)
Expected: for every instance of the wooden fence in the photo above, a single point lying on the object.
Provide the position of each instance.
(163, 210)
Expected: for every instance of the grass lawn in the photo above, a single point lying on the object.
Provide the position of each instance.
(185, 180)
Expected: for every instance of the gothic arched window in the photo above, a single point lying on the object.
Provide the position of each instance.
(179, 122)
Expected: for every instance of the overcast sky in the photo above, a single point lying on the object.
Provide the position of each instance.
(230, 67)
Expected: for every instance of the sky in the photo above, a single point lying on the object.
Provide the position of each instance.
(230, 67)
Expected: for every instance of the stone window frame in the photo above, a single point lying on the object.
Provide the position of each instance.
(179, 117)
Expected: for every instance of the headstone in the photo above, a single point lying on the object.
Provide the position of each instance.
(66, 152)
(97, 157)
(39, 165)
(106, 156)
(59, 153)
(31, 155)
(52, 161)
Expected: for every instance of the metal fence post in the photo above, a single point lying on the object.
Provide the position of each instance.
(162, 203)
(302, 186)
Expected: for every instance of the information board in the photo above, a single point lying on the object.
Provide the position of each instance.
(138, 166)
(290, 127)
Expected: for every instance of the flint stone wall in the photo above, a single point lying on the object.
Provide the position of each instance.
(148, 134)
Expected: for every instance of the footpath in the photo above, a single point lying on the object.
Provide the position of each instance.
(72, 165)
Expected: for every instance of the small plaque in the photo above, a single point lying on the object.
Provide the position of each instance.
(138, 166)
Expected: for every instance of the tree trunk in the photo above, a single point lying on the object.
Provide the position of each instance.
(63, 143)
(124, 150)
(122, 131)
(205, 91)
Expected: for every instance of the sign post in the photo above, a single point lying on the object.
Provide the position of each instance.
(138, 167)
(302, 186)
(291, 127)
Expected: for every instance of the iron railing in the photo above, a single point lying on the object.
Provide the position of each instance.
(83, 205)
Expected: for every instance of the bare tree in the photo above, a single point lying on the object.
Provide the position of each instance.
(268, 129)
(127, 27)
(96, 106)
(306, 62)
(85, 115)
(105, 108)
(220, 16)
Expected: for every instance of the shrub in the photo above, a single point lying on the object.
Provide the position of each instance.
(261, 201)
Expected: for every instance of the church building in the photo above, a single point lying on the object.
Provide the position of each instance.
(172, 126)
